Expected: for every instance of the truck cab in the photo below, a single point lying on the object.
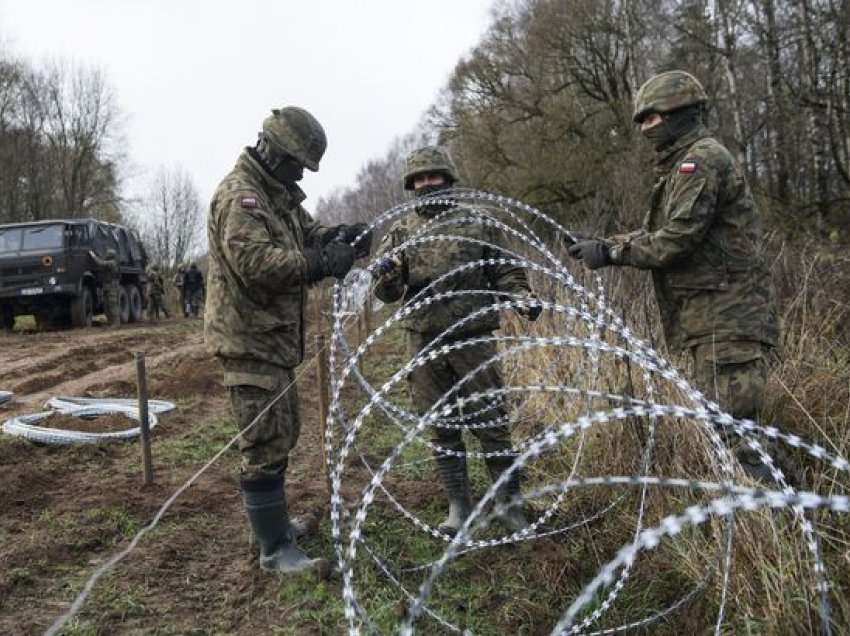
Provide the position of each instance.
(46, 269)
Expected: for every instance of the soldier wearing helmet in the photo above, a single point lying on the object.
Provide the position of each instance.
(264, 252)
(107, 267)
(407, 269)
(156, 294)
(700, 239)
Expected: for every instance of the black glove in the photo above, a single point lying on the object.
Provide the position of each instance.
(339, 258)
(386, 265)
(347, 234)
(593, 253)
(364, 245)
(334, 259)
(574, 237)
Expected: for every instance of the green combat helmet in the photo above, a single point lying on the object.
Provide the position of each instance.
(667, 92)
(293, 131)
(428, 159)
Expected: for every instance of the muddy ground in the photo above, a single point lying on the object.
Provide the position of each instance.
(66, 509)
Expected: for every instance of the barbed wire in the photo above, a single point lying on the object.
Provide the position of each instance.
(600, 337)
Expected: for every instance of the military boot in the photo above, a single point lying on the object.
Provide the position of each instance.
(456, 482)
(513, 515)
(265, 504)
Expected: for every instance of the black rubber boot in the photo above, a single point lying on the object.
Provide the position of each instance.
(513, 516)
(456, 482)
(265, 504)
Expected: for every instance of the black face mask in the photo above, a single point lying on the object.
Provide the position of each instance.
(674, 125)
(432, 210)
(289, 170)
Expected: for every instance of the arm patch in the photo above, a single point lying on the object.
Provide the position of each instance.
(688, 166)
(249, 203)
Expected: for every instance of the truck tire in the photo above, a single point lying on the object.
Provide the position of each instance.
(82, 308)
(134, 297)
(123, 305)
(7, 318)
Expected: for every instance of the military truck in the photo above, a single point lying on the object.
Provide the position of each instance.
(46, 269)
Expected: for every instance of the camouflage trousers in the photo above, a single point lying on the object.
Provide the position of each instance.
(157, 306)
(112, 305)
(733, 374)
(265, 446)
(429, 382)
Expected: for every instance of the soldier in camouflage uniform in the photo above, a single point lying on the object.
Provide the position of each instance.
(108, 266)
(264, 250)
(405, 273)
(156, 295)
(700, 240)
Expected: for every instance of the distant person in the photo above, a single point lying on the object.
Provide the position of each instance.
(264, 251)
(156, 298)
(404, 274)
(107, 267)
(177, 281)
(701, 238)
(193, 289)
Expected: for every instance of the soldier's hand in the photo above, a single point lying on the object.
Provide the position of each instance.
(364, 245)
(574, 237)
(594, 254)
(387, 265)
(339, 258)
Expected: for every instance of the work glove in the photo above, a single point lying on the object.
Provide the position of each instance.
(594, 254)
(334, 259)
(387, 265)
(530, 313)
(574, 237)
(347, 234)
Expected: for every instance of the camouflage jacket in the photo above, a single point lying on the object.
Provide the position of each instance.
(157, 284)
(423, 263)
(701, 239)
(256, 286)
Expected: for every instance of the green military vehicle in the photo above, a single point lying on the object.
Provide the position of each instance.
(47, 269)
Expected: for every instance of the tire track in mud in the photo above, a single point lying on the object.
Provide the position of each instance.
(73, 361)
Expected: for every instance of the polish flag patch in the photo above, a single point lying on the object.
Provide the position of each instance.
(688, 167)
(248, 202)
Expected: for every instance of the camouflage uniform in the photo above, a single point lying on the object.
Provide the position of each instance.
(701, 239)
(157, 295)
(254, 309)
(415, 267)
(264, 249)
(108, 266)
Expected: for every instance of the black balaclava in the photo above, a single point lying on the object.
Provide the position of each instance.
(284, 168)
(673, 126)
(432, 210)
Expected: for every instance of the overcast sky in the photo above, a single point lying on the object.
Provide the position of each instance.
(195, 79)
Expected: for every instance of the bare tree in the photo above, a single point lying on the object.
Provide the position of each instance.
(172, 223)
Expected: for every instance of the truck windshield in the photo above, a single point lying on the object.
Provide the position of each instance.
(10, 240)
(43, 237)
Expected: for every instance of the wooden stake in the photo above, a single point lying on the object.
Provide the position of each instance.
(324, 398)
(144, 424)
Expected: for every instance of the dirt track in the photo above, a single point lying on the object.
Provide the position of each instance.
(66, 509)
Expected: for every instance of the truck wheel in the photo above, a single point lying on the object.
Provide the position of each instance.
(7, 318)
(134, 297)
(82, 308)
(123, 305)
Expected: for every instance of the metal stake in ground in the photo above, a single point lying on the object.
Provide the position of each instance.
(144, 424)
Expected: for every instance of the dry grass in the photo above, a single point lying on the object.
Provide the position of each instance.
(771, 584)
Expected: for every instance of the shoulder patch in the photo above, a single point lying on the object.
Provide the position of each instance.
(248, 202)
(688, 166)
